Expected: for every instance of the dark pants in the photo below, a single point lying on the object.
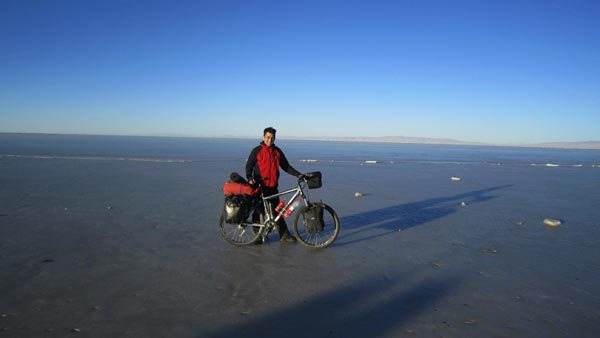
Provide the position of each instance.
(267, 191)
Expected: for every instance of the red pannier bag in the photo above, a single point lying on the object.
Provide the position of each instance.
(233, 188)
(238, 201)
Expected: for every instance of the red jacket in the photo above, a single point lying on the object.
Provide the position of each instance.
(264, 162)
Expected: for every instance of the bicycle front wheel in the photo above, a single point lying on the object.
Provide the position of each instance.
(240, 234)
(316, 225)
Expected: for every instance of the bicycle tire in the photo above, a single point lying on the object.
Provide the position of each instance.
(240, 234)
(313, 238)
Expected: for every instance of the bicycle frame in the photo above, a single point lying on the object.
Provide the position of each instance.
(297, 191)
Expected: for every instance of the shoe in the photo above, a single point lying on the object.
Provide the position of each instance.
(288, 238)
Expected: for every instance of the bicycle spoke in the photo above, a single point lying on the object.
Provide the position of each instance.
(240, 234)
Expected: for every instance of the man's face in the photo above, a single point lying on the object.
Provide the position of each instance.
(269, 139)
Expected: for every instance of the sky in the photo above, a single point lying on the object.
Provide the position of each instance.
(484, 71)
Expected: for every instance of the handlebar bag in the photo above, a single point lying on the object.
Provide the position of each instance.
(314, 180)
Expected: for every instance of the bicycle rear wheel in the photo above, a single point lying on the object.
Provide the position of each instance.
(240, 234)
(323, 233)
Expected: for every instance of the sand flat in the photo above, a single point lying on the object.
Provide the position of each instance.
(131, 249)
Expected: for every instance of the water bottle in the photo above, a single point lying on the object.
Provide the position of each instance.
(279, 206)
(291, 208)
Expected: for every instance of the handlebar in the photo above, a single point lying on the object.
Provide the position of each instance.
(305, 177)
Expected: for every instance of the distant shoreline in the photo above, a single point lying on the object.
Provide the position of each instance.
(587, 145)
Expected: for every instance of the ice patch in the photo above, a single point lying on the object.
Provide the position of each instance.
(545, 165)
(98, 158)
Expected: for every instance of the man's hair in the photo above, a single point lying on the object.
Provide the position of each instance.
(269, 130)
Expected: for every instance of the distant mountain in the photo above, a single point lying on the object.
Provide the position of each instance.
(593, 145)
(566, 145)
(392, 139)
(404, 139)
(429, 140)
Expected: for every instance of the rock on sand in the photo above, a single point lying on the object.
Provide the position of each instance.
(552, 222)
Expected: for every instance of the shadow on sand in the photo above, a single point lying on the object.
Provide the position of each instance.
(372, 307)
(404, 216)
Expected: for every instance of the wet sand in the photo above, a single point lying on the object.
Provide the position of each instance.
(113, 248)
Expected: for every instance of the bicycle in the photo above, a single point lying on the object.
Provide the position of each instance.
(315, 224)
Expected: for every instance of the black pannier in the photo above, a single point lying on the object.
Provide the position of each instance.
(314, 180)
(313, 218)
(237, 208)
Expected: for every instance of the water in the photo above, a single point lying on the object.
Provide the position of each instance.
(200, 149)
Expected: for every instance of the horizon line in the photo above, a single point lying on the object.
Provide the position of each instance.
(591, 145)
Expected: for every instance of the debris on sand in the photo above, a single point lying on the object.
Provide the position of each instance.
(358, 194)
(552, 222)
(485, 274)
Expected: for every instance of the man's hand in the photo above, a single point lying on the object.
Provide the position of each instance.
(251, 181)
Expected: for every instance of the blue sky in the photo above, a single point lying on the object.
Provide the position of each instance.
(487, 71)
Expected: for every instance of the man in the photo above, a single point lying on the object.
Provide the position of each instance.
(262, 167)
